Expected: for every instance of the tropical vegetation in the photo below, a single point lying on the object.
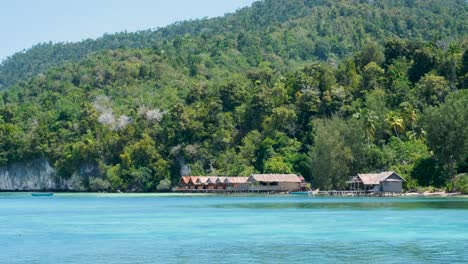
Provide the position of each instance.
(325, 89)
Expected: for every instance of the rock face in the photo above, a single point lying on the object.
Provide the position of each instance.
(38, 175)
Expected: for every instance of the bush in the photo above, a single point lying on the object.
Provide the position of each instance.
(428, 172)
(164, 185)
(411, 184)
(461, 183)
(98, 184)
(429, 189)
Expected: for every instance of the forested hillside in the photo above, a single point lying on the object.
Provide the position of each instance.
(325, 89)
(287, 32)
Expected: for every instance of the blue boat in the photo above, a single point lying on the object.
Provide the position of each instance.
(42, 194)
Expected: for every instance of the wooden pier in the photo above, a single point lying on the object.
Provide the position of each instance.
(224, 191)
(358, 193)
(346, 193)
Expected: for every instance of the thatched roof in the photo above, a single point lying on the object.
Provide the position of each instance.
(193, 179)
(220, 179)
(376, 178)
(236, 179)
(274, 178)
(201, 179)
(185, 180)
(212, 179)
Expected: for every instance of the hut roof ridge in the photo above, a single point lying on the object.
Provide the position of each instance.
(236, 179)
(275, 177)
(376, 178)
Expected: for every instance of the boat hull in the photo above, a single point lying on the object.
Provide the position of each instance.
(42, 194)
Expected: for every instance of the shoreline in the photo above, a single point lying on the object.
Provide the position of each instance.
(181, 194)
(435, 194)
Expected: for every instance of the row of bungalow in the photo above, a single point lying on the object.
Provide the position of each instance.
(384, 182)
(253, 183)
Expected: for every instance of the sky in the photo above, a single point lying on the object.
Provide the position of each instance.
(24, 23)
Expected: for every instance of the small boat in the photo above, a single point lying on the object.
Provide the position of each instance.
(42, 194)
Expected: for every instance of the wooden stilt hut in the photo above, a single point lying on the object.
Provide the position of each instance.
(385, 182)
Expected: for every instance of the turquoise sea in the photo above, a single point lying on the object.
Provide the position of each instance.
(137, 228)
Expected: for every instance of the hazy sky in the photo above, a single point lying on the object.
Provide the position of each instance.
(24, 23)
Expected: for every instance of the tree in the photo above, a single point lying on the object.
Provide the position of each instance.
(164, 185)
(371, 52)
(428, 172)
(277, 164)
(282, 119)
(373, 77)
(369, 119)
(424, 62)
(404, 156)
(396, 48)
(454, 54)
(461, 183)
(432, 89)
(396, 123)
(330, 156)
(412, 117)
(447, 132)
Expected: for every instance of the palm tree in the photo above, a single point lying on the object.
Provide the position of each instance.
(369, 119)
(454, 53)
(412, 117)
(396, 123)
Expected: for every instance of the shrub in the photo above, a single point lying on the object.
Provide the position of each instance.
(461, 183)
(164, 185)
(98, 184)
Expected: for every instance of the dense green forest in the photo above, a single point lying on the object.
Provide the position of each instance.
(325, 89)
(286, 32)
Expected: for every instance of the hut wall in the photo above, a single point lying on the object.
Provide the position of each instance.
(391, 186)
(221, 186)
(266, 188)
(238, 187)
(290, 186)
(280, 186)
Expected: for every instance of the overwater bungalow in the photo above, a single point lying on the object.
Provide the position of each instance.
(202, 182)
(274, 182)
(186, 183)
(239, 184)
(220, 184)
(211, 183)
(384, 182)
(254, 183)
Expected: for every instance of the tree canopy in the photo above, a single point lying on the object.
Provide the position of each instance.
(324, 89)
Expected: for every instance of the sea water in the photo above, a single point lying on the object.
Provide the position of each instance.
(125, 228)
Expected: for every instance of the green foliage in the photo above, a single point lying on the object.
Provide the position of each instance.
(428, 172)
(246, 94)
(447, 132)
(461, 183)
(277, 164)
(164, 185)
(403, 156)
(432, 89)
(288, 32)
(371, 52)
(331, 157)
(98, 184)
